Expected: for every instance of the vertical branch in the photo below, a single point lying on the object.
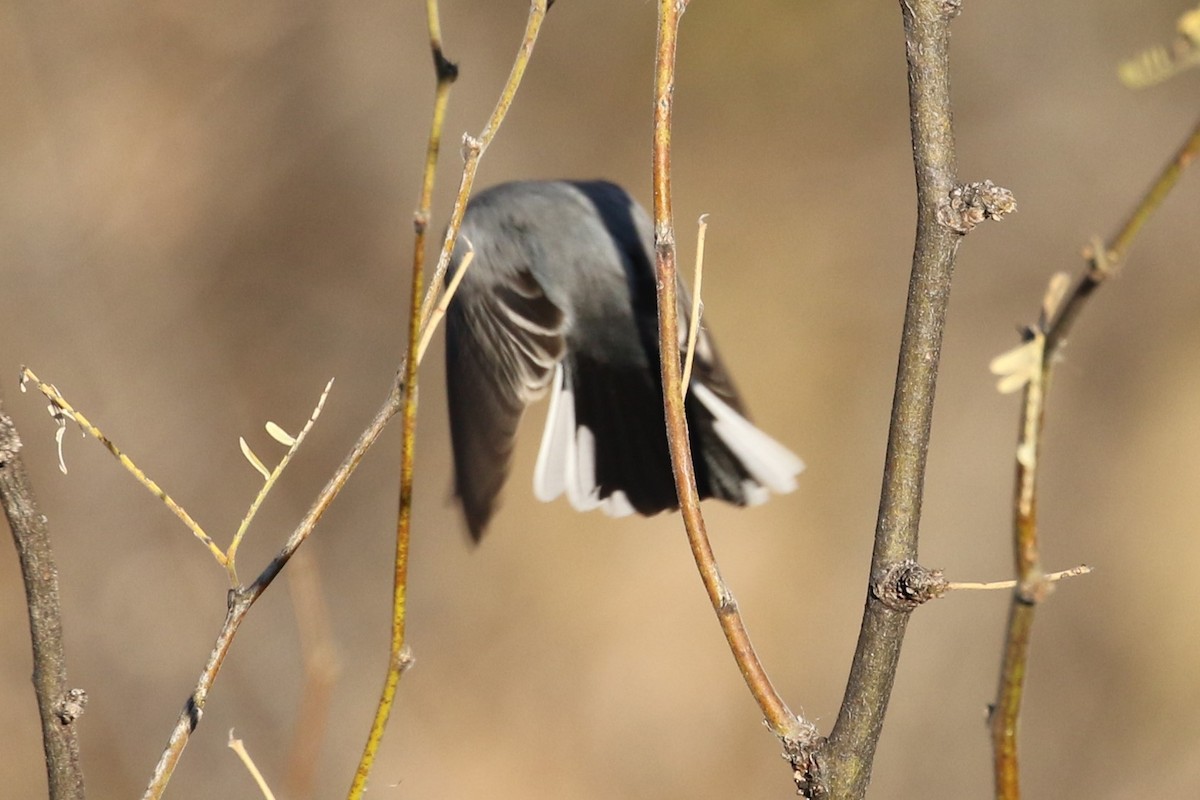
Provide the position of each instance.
(400, 657)
(475, 146)
(851, 746)
(782, 722)
(446, 73)
(1048, 338)
(58, 705)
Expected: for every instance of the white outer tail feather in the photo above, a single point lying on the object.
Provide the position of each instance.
(771, 464)
(566, 461)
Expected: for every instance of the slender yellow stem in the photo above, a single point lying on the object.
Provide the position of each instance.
(271, 478)
(1050, 577)
(420, 319)
(63, 411)
(475, 146)
(239, 747)
(443, 305)
(697, 304)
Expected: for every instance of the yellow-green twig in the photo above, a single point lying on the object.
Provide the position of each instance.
(293, 444)
(440, 311)
(475, 146)
(62, 411)
(420, 319)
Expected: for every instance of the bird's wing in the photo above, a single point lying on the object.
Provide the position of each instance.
(503, 341)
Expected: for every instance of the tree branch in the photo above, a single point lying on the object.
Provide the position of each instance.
(445, 73)
(242, 599)
(421, 314)
(798, 735)
(1045, 339)
(850, 749)
(58, 705)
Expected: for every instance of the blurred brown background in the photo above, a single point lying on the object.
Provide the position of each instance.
(206, 213)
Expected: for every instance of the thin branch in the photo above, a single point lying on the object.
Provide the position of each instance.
(293, 444)
(446, 73)
(1050, 577)
(697, 303)
(58, 705)
(239, 747)
(475, 146)
(241, 600)
(782, 722)
(1103, 260)
(421, 319)
(62, 411)
(1047, 338)
(851, 746)
(444, 304)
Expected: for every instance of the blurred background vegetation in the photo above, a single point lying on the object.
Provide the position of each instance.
(205, 212)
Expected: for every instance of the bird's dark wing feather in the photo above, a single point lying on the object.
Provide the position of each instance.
(503, 340)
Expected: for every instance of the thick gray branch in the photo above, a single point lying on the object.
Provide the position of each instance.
(58, 705)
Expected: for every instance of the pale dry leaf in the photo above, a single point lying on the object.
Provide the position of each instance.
(1018, 366)
(280, 435)
(254, 460)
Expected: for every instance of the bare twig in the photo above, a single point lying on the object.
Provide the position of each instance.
(850, 751)
(1050, 577)
(446, 73)
(58, 705)
(697, 303)
(1047, 337)
(242, 599)
(63, 411)
(783, 723)
(422, 319)
(430, 325)
(475, 146)
(293, 444)
(239, 747)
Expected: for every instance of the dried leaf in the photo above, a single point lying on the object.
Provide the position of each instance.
(280, 435)
(253, 459)
(1018, 366)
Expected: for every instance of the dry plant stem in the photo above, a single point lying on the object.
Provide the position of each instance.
(1052, 577)
(31, 535)
(782, 721)
(239, 747)
(1103, 264)
(321, 669)
(64, 410)
(475, 146)
(1031, 583)
(445, 73)
(241, 600)
(697, 304)
(851, 746)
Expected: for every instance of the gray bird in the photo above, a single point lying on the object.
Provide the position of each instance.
(560, 298)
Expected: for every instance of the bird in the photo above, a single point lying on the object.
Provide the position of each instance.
(559, 298)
